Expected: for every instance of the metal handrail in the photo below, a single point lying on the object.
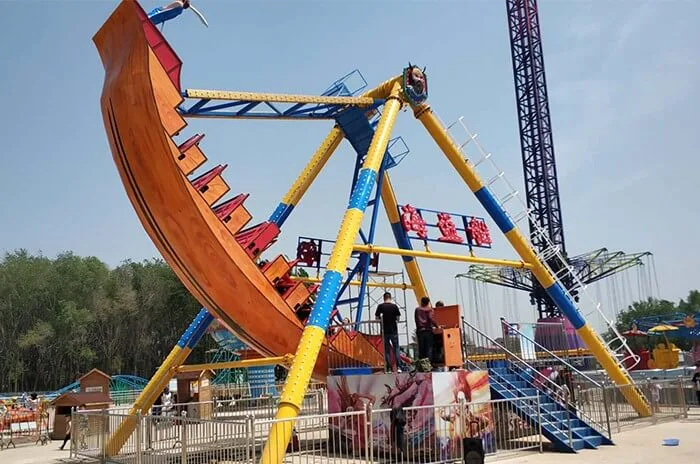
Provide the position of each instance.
(580, 412)
(541, 418)
(566, 363)
(556, 388)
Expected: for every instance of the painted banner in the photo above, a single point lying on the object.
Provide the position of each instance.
(425, 425)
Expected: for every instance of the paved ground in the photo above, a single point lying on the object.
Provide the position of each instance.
(35, 454)
(640, 445)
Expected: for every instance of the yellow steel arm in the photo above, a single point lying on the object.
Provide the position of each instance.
(392, 212)
(285, 360)
(445, 256)
(277, 97)
(315, 330)
(357, 283)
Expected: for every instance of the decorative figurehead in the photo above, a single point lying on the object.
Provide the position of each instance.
(167, 12)
(415, 84)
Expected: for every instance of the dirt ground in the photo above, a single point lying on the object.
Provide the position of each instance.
(640, 445)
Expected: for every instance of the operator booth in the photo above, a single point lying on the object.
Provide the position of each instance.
(194, 389)
(447, 342)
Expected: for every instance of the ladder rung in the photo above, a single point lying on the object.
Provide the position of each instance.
(548, 252)
(509, 197)
(562, 272)
(483, 158)
(519, 217)
(495, 178)
(467, 142)
(539, 233)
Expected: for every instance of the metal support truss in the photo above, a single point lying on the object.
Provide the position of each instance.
(340, 96)
(243, 105)
(540, 172)
(539, 166)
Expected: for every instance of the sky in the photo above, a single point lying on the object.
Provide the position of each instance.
(624, 97)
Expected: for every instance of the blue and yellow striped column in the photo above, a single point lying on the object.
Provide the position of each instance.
(553, 288)
(315, 330)
(307, 176)
(160, 379)
(410, 263)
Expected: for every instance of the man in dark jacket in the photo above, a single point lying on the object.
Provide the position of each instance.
(424, 328)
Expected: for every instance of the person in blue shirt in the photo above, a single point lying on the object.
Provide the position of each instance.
(172, 10)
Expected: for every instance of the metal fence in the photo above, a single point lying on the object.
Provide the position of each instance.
(238, 432)
(430, 434)
(21, 427)
(668, 400)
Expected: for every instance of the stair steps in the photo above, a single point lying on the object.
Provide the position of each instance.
(509, 382)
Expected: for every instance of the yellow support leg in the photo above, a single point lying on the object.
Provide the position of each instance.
(307, 176)
(146, 399)
(160, 379)
(553, 288)
(410, 264)
(314, 333)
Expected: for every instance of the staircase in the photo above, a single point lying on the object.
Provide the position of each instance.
(561, 426)
(512, 378)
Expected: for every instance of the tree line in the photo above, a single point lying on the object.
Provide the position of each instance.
(656, 307)
(61, 317)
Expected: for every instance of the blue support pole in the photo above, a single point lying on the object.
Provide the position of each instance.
(366, 257)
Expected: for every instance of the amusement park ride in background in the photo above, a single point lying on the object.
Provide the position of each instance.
(266, 303)
(541, 182)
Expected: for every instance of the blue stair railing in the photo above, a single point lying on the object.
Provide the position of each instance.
(541, 357)
(511, 378)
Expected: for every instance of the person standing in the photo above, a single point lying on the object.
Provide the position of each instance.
(68, 427)
(390, 314)
(424, 328)
(696, 381)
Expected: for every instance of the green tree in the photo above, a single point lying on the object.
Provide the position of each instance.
(691, 305)
(654, 307)
(61, 317)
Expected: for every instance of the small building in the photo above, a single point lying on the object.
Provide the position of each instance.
(95, 381)
(65, 403)
(195, 387)
(93, 394)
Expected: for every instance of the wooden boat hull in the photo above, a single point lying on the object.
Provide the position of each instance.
(139, 101)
